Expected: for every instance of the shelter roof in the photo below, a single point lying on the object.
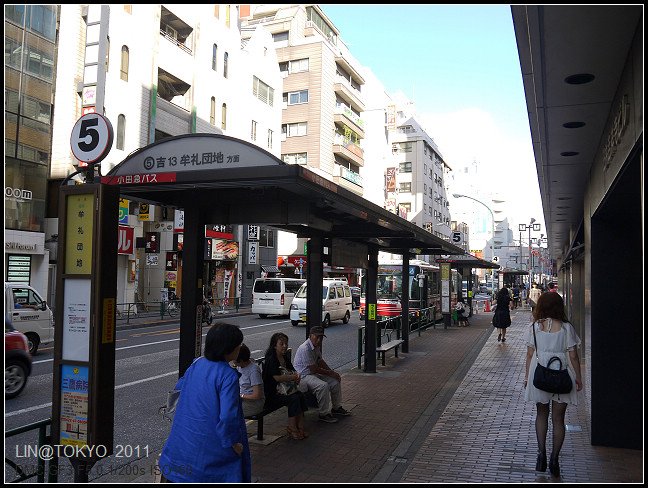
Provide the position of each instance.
(236, 182)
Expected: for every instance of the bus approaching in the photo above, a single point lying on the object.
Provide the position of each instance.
(424, 289)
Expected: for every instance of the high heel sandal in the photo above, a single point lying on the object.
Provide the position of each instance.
(554, 468)
(499, 337)
(304, 433)
(541, 461)
(294, 433)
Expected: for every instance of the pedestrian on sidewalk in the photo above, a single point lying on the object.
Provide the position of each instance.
(208, 442)
(502, 315)
(534, 294)
(555, 336)
(462, 313)
(251, 383)
(319, 378)
(516, 295)
(280, 382)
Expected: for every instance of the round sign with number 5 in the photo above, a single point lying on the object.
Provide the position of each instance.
(92, 138)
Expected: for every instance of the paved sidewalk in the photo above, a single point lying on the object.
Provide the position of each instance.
(449, 410)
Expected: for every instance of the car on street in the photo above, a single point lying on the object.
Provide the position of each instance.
(355, 297)
(18, 361)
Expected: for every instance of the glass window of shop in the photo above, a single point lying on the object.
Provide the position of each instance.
(25, 189)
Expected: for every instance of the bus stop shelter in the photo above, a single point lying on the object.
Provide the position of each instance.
(216, 178)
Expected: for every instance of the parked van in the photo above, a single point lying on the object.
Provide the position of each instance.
(336, 302)
(29, 314)
(273, 296)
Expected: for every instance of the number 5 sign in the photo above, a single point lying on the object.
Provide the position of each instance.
(92, 138)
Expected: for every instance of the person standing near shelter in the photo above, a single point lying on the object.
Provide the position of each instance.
(534, 294)
(516, 295)
(502, 315)
(318, 377)
(208, 442)
(555, 336)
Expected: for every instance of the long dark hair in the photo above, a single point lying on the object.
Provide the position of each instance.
(222, 339)
(502, 293)
(550, 305)
(271, 351)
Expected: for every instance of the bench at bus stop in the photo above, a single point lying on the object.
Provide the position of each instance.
(311, 401)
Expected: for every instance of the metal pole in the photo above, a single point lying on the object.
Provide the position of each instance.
(529, 261)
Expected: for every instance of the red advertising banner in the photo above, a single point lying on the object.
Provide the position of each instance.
(125, 240)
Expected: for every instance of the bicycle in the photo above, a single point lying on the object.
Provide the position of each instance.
(171, 307)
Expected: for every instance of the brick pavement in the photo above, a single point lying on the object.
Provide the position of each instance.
(449, 410)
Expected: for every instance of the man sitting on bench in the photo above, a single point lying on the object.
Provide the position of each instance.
(318, 377)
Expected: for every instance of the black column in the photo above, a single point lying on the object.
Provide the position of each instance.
(370, 300)
(405, 292)
(192, 264)
(315, 249)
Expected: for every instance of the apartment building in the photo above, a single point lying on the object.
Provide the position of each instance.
(322, 127)
(157, 71)
(30, 64)
(416, 180)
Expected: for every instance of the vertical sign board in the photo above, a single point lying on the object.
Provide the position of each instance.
(84, 347)
(445, 292)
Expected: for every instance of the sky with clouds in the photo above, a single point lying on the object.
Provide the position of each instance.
(460, 66)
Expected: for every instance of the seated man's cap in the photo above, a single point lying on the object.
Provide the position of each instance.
(317, 330)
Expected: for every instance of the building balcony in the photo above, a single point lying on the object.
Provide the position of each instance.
(343, 88)
(349, 180)
(344, 116)
(348, 150)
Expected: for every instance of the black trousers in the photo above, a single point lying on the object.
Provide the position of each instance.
(296, 403)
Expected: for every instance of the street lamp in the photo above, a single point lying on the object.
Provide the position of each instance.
(457, 195)
(522, 228)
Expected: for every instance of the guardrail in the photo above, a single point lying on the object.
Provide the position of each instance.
(43, 440)
(418, 320)
(171, 308)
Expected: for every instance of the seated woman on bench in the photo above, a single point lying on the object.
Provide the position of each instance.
(280, 384)
(251, 383)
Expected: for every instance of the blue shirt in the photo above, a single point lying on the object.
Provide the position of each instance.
(208, 421)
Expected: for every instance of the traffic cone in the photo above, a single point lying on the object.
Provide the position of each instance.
(487, 309)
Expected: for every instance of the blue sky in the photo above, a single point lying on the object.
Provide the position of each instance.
(460, 66)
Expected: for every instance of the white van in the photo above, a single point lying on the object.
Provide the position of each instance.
(336, 302)
(273, 296)
(29, 314)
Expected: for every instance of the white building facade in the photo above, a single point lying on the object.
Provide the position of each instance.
(169, 70)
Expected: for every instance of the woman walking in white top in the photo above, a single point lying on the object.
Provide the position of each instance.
(555, 336)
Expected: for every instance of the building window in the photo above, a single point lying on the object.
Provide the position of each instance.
(262, 91)
(295, 158)
(295, 98)
(296, 129)
(124, 63)
(224, 116)
(405, 187)
(407, 206)
(225, 57)
(280, 36)
(253, 131)
(405, 168)
(214, 58)
(121, 131)
(298, 65)
(269, 139)
(212, 111)
(267, 238)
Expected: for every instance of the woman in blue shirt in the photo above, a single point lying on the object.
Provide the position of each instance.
(208, 440)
